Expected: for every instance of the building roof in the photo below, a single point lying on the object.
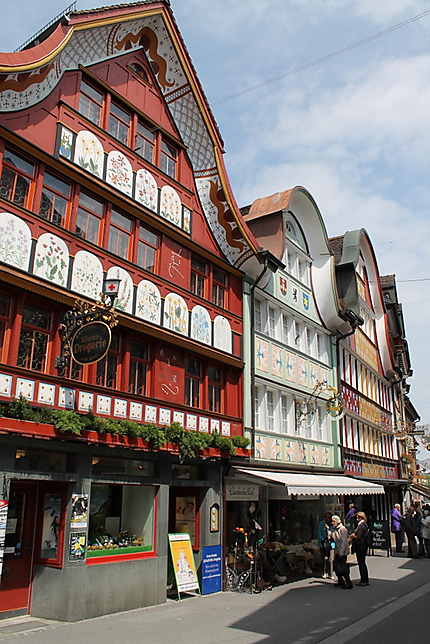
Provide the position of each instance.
(118, 6)
(387, 280)
(268, 205)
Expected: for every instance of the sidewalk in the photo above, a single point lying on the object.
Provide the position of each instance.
(303, 612)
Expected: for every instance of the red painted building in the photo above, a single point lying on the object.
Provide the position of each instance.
(111, 167)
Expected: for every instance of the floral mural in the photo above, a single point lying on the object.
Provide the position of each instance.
(89, 153)
(148, 302)
(15, 241)
(119, 173)
(87, 275)
(124, 300)
(222, 334)
(176, 313)
(51, 260)
(170, 205)
(146, 191)
(201, 325)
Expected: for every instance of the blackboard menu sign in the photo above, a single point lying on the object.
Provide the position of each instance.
(380, 536)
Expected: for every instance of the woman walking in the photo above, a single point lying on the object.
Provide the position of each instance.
(360, 544)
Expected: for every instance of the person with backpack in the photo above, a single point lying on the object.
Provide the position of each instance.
(360, 544)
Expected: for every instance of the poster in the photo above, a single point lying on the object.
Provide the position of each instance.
(77, 546)
(52, 505)
(185, 516)
(211, 570)
(183, 562)
(3, 522)
(79, 516)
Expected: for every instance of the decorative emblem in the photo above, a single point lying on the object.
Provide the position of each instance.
(306, 301)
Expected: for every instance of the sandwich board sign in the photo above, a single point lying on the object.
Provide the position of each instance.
(183, 563)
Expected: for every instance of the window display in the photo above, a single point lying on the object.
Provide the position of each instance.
(121, 520)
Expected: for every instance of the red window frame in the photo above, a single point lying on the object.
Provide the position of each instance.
(219, 287)
(85, 211)
(4, 318)
(118, 232)
(55, 199)
(145, 141)
(199, 275)
(194, 382)
(19, 174)
(148, 244)
(90, 97)
(34, 328)
(139, 364)
(113, 357)
(60, 490)
(216, 383)
(119, 123)
(168, 158)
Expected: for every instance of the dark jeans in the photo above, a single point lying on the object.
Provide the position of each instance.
(361, 560)
(412, 546)
(421, 551)
(399, 540)
(341, 569)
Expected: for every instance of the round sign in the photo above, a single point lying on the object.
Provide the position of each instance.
(91, 342)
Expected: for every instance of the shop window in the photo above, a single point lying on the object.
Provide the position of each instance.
(147, 246)
(168, 159)
(51, 526)
(34, 460)
(90, 213)
(91, 103)
(119, 123)
(120, 234)
(199, 270)
(215, 388)
(33, 342)
(121, 521)
(55, 199)
(193, 382)
(145, 141)
(16, 179)
(139, 71)
(107, 367)
(139, 368)
(4, 316)
(219, 285)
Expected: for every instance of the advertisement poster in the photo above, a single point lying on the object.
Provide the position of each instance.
(3, 522)
(211, 570)
(79, 516)
(185, 516)
(77, 546)
(183, 562)
(52, 505)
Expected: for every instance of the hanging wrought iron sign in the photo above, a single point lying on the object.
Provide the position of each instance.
(90, 343)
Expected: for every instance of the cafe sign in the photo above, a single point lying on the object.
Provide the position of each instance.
(91, 342)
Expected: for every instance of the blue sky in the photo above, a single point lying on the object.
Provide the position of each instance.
(353, 130)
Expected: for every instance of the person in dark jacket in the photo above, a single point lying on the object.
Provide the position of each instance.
(396, 527)
(325, 544)
(418, 528)
(409, 525)
(360, 544)
(351, 518)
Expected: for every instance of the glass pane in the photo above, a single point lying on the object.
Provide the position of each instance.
(120, 113)
(57, 184)
(148, 236)
(19, 163)
(91, 92)
(121, 221)
(91, 204)
(89, 109)
(169, 149)
(87, 226)
(35, 317)
(118, 242)
(6, 184)
(51, 523)
(21, 190)
(146, 257)
(145, 131)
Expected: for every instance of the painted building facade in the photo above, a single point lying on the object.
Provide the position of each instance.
(111, 167)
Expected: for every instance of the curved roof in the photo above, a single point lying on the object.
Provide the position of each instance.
(91, 36)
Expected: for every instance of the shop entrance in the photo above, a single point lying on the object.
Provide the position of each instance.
(15, 586)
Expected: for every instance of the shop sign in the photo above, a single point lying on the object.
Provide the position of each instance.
(79, 515)
(241, 492)
(3, 523)
(91, 343)
(77, 546)
(183, 562)
(380, 536)
(211, 570)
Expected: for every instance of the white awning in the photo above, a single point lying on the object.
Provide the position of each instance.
(314, 484)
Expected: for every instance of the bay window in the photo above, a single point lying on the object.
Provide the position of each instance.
(55, 199)
(91, 103)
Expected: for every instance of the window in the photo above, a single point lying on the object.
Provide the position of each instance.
(90, 213)
(285, 408)
(147, 245)
(198, 276)
(258, 316)
(168, 159)
(90, 103)
(303, 271)
(55, 199)
(139, 366)
(321, 422)
(121, 520)
(119, 123)
(139, 71)
(4, 317)
(272, 322)
(270, 410)
(72, 370)
(285, 328)
(193, 382)
(16, 179)
(219, 282)
(257, 407)
(33, 342)
(108, 367)
(298, 338)
(215, 387)
(119, 234)
(145, 141)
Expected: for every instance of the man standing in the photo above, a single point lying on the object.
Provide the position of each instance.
(396, 527)
(339, 535)
(360, 543)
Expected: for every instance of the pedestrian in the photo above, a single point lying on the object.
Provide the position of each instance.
(396, 527)
(325, 543)
(418, 528)
(350, 518)
(410, 527)
(360, 544)
(425, 526)
(339, 534)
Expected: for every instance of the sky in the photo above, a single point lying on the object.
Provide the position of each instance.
(352, 129)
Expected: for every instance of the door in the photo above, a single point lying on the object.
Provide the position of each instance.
(15, 583)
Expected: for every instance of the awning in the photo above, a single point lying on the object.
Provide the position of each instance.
(314, 484)
(421, 490)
